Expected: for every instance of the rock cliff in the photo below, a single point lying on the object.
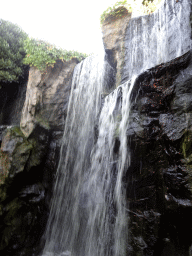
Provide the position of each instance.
(47, 96)
(114, 30)
(159, 178)
(29, 155)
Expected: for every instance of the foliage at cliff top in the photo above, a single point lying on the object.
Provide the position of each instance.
(141, 6)
(113, 10)
(17, 49)
(41, 54)
(11, 51)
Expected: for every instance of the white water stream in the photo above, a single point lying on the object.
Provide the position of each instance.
(88, 214)
(157, 38)
(89, 208)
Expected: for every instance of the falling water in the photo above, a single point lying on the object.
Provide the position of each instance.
(88, 215)
(156, 38)
(66, 223)
(89, 208)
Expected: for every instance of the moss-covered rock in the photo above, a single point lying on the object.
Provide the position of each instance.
(14, 153)
(22, 193)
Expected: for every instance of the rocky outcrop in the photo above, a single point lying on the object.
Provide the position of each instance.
(12, 97)
(47, 97)
(114, 29)
(29, 155)
(22, 191)
(159, 178)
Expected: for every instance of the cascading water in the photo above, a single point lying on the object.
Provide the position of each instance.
(89, 207)
(156, 38)
(89, 215)
(65, 222)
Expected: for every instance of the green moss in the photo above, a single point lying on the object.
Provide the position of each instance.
(11, 222)
(15, 155)
(4, 168)
(12, 209)
(191, 21)
(43, 122)
(15, 130)
(186, 149)
(3, 194)
(35, 158)
(186, 146)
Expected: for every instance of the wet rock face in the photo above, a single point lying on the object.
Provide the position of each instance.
(159, 178)
(23, 206)
(157, 38)
(29, 156)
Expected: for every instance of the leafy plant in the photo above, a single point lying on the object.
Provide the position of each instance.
(115, 10)
(147, 6)
(42, 54)
(150, 6)
(11, 51)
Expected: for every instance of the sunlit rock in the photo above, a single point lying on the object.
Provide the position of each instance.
(47, 97)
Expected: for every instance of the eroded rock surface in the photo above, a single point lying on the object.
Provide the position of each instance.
(113, 29)
(47, 97)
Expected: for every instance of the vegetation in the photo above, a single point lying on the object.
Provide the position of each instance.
(17, 50)
(11, 51)
(149, 6)
(114, 10)
(143, 7)
(42, 54)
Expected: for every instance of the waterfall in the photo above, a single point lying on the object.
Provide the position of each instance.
(89, 214)
(89, 210)
(65, 222)
(156, 38)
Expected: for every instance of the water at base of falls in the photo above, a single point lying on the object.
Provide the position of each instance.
(89, 211)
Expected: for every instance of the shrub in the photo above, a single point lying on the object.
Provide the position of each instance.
(115, 10)
(147, 6)
(11, 51)
(42, 54)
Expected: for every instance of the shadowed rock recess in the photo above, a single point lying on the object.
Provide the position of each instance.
(29, 155)
(156, 169)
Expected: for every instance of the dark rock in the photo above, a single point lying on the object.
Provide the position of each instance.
(22, 194)
(160, 175)
(12, 97)
(33, 193)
